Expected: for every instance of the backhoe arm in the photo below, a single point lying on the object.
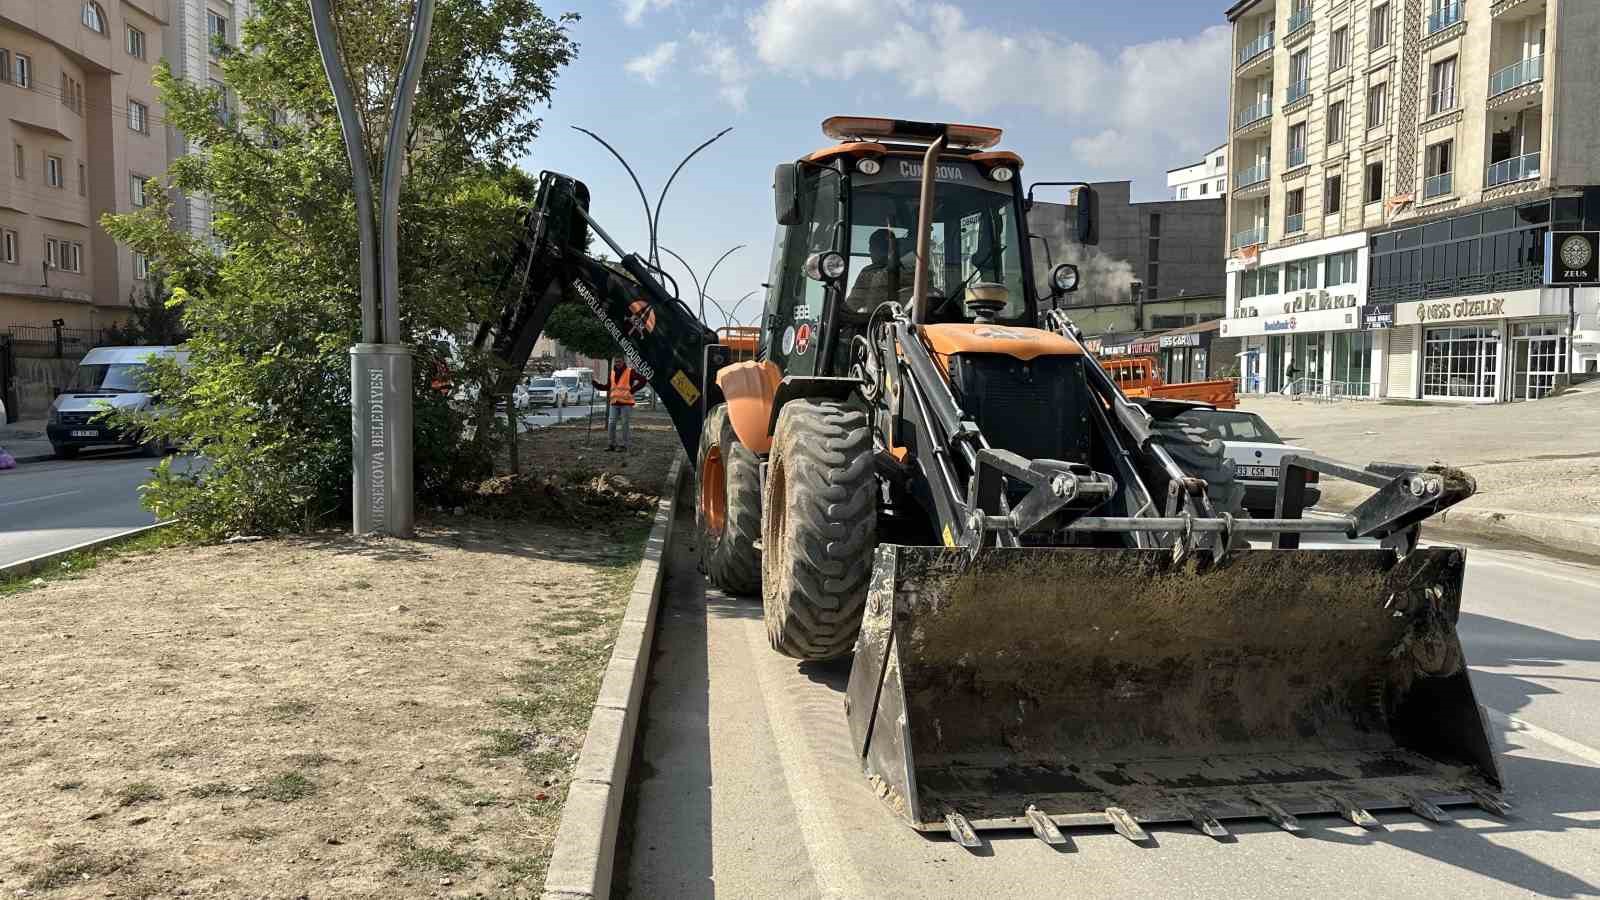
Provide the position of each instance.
(659, 336)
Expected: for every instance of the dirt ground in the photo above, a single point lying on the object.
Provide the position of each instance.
(323, 716)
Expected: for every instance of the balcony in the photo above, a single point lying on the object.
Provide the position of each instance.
(1516, 75)
(1253, 114)
(1297, 156)
(1255, 48)
(1437, 185)
(1517, 168)
(1444, 15)
(1299, 18)
(1254, 175)
(1297, 91)
(1256, 235)
(1293, 223)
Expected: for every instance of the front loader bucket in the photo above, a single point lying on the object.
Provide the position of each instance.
(1096, 687)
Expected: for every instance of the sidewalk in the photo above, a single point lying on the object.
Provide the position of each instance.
(25, 440)
(1537, 464)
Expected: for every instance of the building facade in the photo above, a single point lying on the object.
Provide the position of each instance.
(81, 134)
(1388, 135)
(1206, 179)
(200, 34)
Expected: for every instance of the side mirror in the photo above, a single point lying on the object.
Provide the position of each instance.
(1087, 225)
(1063, 279)
(786, 193)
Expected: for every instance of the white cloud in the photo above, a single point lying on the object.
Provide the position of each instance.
(1151, 104)
(722, 61)
(649, 66)
(633, 10)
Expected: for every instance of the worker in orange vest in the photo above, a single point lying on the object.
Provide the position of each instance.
(619, 403)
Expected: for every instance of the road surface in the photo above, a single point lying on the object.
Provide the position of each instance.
(48, 506)
(748, 788)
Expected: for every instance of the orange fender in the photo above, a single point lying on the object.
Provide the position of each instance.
(750, 388)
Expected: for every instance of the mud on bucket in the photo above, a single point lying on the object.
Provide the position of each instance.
(1082, 680)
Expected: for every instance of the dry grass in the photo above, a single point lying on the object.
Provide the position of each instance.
(245, 720)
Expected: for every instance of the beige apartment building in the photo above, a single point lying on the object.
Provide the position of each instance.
(81, 132)
(1395, 167)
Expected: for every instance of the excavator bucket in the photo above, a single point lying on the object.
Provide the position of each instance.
(1035, 688)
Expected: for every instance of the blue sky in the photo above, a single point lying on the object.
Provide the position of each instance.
(1084, 90)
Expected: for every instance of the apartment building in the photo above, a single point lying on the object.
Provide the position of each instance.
(1396, 166)
(200, 35)
(80, 134)
(1204, 180)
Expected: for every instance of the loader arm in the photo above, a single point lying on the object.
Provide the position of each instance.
(659, 336)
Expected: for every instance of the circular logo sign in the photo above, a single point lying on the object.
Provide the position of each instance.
(802, 339)
(1575, 252)
(788, 340)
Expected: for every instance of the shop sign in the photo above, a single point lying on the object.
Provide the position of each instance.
(1144, 347)
(1571, 258)
(1279, 324)
(1311, 301)
(1114, 350)
(1440, 310)
(1093, 345)
(1377, 315)
(1510, 305)
(1192, 339)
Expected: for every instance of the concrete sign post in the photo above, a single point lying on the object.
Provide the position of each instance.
(380, 366)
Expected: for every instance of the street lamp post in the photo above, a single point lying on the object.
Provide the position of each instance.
(729, 252)
(380, 366)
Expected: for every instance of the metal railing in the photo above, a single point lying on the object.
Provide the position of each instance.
(1299, 18)
(1297, 156)
(1252, 114)
(1254, 175)
(1516, 75)
(1297, 90)
(1458, 286)
(1255, 48)
(1437, 185)
(1294, 222)
(59, 341)
(1444, 15)
(1350, 390)
(1248, 236)
(1517, 168)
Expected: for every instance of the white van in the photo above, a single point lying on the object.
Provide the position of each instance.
(579, 384)
(107, 377)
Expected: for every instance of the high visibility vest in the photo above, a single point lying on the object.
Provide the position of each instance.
(621, 392)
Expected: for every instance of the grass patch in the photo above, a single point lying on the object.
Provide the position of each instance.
(72, 864)
(286, 787)
(75, 565)
(361, 584)
(211, 789)
(411, 855)
(434, 816)
(253, 834)
(314, 760)
(139, 792)
(290, 710)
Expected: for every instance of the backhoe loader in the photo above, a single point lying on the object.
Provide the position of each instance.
(1054, 607)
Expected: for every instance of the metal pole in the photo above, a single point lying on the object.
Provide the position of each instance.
(655, 227)
(713, 271)
(393, 169)
(699, 291)
(649, 217)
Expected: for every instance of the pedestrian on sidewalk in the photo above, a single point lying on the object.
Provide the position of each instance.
(1293, 373)
(619, 404)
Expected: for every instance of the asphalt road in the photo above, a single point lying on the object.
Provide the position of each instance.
(748, 788)
(48, 506)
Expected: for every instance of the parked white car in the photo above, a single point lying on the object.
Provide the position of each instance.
(1256, 451)
(546, 392)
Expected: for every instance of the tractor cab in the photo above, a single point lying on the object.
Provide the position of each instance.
(847, 238)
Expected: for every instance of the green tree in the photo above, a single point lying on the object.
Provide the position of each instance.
(272, 304)
(155, 318)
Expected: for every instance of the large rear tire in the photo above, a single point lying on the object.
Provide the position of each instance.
(819, 528)
(728, 509)
(1202, 457)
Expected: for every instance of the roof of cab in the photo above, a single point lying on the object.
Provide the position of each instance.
(103, 356)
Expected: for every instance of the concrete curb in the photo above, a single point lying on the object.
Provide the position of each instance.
(1465, 522)
(586, 841)
(35, 563)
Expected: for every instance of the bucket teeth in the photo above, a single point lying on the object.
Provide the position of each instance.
(1044, 829)
(961, 831)
(1208, 824)
(1427, 809)
(1491, 804)
(1125, 825)
(1355, 814)
(1279, 816)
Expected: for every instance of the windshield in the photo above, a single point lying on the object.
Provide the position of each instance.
(117, 378)
(1233, 426)
(569, 380)
(973, 237)
(542, 383)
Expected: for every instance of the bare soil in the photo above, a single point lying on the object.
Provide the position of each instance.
(323, 716)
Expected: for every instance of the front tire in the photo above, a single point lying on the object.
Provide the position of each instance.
(728, 510)
(819, 529)
(62, 452)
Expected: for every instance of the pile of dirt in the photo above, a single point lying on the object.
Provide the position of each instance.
(584, 498)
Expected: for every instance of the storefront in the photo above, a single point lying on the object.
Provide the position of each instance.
(1484, 348)
(1196, 353)
(1321, 351)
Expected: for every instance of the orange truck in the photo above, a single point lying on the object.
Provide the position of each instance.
(1138, 377)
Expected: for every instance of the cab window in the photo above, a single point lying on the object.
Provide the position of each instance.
(795, 334)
